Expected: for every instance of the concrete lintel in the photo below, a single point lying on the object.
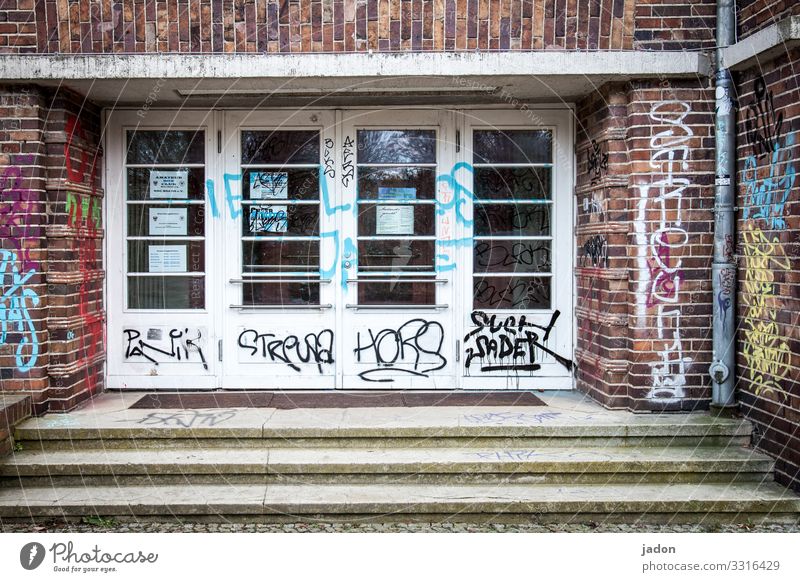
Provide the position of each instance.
(621, 64)
(763, 46)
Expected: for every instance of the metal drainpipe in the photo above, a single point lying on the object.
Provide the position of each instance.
(723, 366)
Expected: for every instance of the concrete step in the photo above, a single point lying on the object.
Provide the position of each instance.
(696, 503)
(431, 465)
(521, 428)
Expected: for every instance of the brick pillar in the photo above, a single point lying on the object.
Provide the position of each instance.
(75, 273)
(671, 199)
(601, 266)
(23, 248)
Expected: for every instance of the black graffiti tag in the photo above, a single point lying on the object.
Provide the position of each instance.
(348, 169)
(509, 344)
(403, 350)
(762, 123)
(595, 252)
(597, 162)
(179, 349)
(314, 348)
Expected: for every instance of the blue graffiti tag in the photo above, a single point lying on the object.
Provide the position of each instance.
(766, 197)
(14, 310)
(461, 193)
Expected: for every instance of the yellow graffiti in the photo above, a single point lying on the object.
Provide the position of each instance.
(766, 355)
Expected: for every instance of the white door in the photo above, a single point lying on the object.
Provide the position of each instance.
(160, 261)
(398, 300)
(513, 200)
(280, 249)
(354, 249)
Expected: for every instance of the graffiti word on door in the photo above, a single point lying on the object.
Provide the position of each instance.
(158, 347)
(292, 350)
(414, 348)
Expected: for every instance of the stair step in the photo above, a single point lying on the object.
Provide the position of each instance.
(439, 465)
(363, 428)
(707, 502)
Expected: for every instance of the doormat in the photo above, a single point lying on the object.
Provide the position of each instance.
(288, 401)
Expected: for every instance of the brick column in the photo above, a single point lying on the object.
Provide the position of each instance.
(75, 267)
(601, 232)
(23, 248)
(671, 199)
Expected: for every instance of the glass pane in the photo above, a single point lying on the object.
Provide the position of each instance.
(166, 147)
(166, 292)
(396, 293)
(302, 293)
(396, 183)
(396, 146)
(281, 220)
(511, 293)
(512, 219)
(511, 256)
(280, 147)
(392, 219)
(512, 146)
(166, 256)
(139, 183)
(293, 255)
(395, 255)
(291, 183)
(166, 220)
(513, 183)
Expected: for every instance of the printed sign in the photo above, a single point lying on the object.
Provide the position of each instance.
(167, 258)
(268, 219)
(269, 185)
(167, 221)
(386, 193)
(394, 220)
(169, 184)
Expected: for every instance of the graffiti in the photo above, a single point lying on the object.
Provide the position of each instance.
(597, 162)
(766, 196)
(516, 293)
(348, 168)
(504, 257)
(187, 418)
(659, 253)
(155, 349)
(767, 356)
(594, 204)
(19, 206)
(327, 158)
(762, 124)
(82, 209)
(527, 455)
(595, 252)
(509, 344)
(413, 349)
(514, 418)
(268, 219)
(454, 193)
(315, 348)
(15, 316)
(725, 294)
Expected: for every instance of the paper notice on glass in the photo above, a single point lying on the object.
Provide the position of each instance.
(268, 219)
(167, 258)
(167, 221)
(387, 193)
(269, 185)
(394, 220)
(169, 183)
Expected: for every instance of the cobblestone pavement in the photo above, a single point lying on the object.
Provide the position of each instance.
(99, 525)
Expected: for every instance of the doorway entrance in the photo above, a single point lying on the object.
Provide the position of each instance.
(355, 249)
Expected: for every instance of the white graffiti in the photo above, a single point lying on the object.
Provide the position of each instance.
(658, 258)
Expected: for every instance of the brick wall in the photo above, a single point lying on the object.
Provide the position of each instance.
(768, 245)
(753, 15)
(23, 254)
(50, 209)
(675, 25)
(291, 26)
(644, 241)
